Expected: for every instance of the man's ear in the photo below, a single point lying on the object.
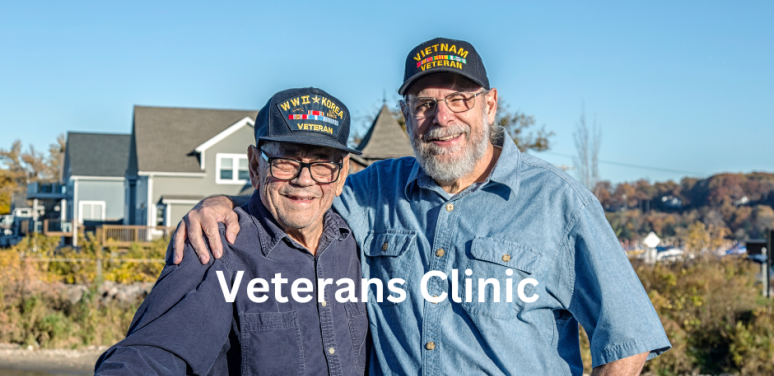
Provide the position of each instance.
(343, 175)
(404, 108)
(491, 105)
(254, 159)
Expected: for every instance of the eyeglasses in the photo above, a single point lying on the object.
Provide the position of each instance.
(289, 169)
(423, 107)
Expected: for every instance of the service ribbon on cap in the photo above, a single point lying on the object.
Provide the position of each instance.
(314, 113)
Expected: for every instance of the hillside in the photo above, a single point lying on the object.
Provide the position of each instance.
(732, 206)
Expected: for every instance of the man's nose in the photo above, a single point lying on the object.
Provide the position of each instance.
(304, 177)
(442, 113)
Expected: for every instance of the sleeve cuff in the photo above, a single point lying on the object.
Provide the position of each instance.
(657, 345)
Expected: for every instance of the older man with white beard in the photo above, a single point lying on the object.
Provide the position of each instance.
(467, 225)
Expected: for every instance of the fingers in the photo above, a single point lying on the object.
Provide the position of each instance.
(179, 240)
(232, 227)
(195, 237)
(210, 226)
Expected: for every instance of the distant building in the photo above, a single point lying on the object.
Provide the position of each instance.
(671, 202)
(385, 139)
(178, 156)
(93, 177)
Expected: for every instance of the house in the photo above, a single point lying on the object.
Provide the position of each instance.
(177, 156)
(385, 139)
(93, 180)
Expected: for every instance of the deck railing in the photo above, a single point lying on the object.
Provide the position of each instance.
(123, 236)
(57, 227)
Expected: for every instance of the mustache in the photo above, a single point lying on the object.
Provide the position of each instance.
(436, 132)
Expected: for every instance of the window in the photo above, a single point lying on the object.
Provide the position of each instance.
(92, 211)
(232, 169)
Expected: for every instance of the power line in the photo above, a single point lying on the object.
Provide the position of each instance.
(633, 165)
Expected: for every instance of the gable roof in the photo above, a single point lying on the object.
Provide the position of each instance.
(165, 137)
(97, 154)
(385, 139)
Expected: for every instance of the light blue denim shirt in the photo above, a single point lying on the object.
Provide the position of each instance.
(528, 217)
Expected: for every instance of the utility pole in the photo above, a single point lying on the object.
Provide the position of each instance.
(767, 265)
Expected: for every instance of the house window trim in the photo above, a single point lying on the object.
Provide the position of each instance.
(235, 163)
(80, 209)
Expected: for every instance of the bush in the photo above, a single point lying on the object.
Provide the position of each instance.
(712, 314)
(34, 309)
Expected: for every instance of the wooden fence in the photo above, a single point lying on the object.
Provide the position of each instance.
(124, 236)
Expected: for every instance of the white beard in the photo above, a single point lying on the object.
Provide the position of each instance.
(446, 171)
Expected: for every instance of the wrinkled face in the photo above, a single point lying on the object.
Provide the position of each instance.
(448, 145)
(300, 203)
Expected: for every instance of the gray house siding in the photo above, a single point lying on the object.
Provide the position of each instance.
(111, 192)
(202, 186)
(177, 211)
(141, 200)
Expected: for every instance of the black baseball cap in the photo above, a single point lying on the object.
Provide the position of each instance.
(444, 55)
(308, 116)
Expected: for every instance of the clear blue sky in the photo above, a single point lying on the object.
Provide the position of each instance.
(685, 86)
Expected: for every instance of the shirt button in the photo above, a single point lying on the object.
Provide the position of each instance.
(324, 303)
(435, 296)
(449, 207)
(385, 246)
(439, 252)
(506, 258)
(430, 346)
(331, 351)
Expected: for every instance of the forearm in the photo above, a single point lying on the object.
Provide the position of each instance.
(139, 360)
(626, 366)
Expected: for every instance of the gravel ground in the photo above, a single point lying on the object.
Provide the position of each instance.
(18, 361)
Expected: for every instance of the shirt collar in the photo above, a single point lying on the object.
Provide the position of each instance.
(506, 170)
(270, 233)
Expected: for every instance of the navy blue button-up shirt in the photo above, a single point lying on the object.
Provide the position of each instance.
(186, 325)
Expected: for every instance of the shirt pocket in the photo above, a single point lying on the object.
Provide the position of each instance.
(358, 330)
(491, 259)
(271, 344)
(389, 255)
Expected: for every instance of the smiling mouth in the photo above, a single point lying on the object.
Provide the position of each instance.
(445, 138)
(300, 199)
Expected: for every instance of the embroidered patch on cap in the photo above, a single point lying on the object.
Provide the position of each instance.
(312, 113)
(426, 61)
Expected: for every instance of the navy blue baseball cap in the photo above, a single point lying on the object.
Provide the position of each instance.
(444, 55)
(308, 116)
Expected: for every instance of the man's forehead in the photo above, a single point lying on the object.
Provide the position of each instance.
(443, 81)
(292, 149)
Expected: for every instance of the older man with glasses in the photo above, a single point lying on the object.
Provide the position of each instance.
(469, 224)
(263, 308)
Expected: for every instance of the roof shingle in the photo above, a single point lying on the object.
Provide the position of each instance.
(97, 154)
(385, 139)
(166, 136)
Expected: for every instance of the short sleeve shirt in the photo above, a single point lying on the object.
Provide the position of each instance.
(540, 255)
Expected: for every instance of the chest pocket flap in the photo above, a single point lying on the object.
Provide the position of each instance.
(506, 253)
(390, 244)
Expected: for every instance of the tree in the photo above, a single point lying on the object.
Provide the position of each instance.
(516, 124)
(587, 143)
(19, 167)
